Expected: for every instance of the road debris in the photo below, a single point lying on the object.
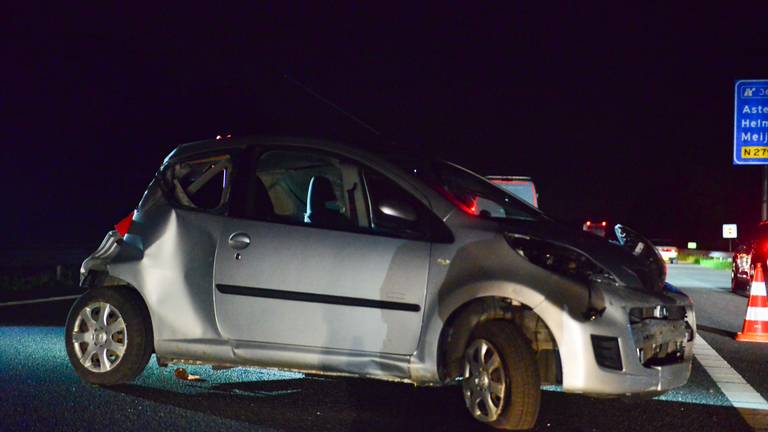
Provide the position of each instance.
(182, 374)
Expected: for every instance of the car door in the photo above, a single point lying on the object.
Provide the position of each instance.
(301, 260)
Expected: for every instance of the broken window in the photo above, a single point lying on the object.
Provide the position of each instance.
(201, 183)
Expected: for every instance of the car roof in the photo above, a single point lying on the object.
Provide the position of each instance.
(510, 178)
(206, 146)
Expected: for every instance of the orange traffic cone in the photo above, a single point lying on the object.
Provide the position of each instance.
(756, 322)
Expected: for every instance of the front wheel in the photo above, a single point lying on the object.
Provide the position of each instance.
(501, 382)
(108, 336)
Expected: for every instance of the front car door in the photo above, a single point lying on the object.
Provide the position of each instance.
(304, 260)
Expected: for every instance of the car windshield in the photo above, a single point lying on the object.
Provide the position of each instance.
(468, 191)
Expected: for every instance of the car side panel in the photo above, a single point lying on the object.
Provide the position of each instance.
(173, 273)
(299, 264)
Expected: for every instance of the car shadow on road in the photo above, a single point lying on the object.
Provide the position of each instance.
(346, 404)
(320, 404)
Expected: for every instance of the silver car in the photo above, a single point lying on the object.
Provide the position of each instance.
(310, 256)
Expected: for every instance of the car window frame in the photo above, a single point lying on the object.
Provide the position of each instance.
(167, 188)
(424, 213)
(434, 233)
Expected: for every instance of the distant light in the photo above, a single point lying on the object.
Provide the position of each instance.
(692, 245)
(589, 222)
(603, 223)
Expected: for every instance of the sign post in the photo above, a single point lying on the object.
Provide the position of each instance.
(730, 232)
(750, 130)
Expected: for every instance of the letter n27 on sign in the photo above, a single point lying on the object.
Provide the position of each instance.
(750, 128)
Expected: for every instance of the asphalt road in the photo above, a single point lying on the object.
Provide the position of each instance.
(39, 390)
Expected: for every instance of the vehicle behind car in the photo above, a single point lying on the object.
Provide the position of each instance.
(599, 229)
(311, 256)
(666, 249)
(519, 186)
(742, 268)
(752, 251)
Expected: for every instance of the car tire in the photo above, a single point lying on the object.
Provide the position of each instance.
(113, 347)
(516, 405)
(736, 287)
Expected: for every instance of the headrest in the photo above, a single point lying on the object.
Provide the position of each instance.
(320, 192)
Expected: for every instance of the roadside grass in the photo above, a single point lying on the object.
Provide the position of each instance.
(687, 259)
(713, 263)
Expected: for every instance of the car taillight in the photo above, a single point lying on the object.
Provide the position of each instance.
(764, 247)
(124, 225)
(469, 208)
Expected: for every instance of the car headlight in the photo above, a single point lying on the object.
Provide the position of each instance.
(561, 259)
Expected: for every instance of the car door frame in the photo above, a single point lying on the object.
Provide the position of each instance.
(258, 151)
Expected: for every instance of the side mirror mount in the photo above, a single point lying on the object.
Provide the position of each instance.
(398, 209)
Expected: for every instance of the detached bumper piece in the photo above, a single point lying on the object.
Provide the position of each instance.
(660, 335)
(106, 250)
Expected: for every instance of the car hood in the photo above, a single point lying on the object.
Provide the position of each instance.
(632, 259)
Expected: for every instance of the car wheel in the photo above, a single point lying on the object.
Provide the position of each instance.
(737, 287)
(501, 382)
(108, 336)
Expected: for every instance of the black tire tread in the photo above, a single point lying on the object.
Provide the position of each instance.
(523, 397)
(140, 340)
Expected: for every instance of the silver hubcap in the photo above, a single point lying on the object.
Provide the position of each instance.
(99, 337)
(484, 381)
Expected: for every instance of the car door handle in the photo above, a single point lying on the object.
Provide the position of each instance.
(239, 240)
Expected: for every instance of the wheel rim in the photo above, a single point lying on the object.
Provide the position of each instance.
(484, 382)
(99, 337)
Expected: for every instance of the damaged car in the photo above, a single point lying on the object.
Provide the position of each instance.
(308, 255)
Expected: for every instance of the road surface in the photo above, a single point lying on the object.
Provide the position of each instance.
(39, 390)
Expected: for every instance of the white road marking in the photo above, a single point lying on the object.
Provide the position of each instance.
(49, 299)
(752, 407)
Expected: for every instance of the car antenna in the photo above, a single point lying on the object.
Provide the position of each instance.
(331, 104)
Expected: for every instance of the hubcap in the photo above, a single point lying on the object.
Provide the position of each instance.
(99, 337)
(484, 381)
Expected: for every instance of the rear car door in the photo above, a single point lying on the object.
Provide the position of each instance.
(304, 260)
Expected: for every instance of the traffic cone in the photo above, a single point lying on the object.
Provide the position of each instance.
(756, 322)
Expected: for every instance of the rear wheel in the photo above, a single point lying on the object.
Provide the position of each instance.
(501, 382)
(108, 336)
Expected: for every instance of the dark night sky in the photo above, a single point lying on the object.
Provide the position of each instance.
(620, 114)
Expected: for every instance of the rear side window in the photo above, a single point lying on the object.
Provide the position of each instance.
(299, 187)
(200, 183)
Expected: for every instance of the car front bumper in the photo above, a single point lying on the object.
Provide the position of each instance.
(640, 371)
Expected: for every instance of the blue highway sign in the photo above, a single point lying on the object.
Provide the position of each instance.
(750, 128)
